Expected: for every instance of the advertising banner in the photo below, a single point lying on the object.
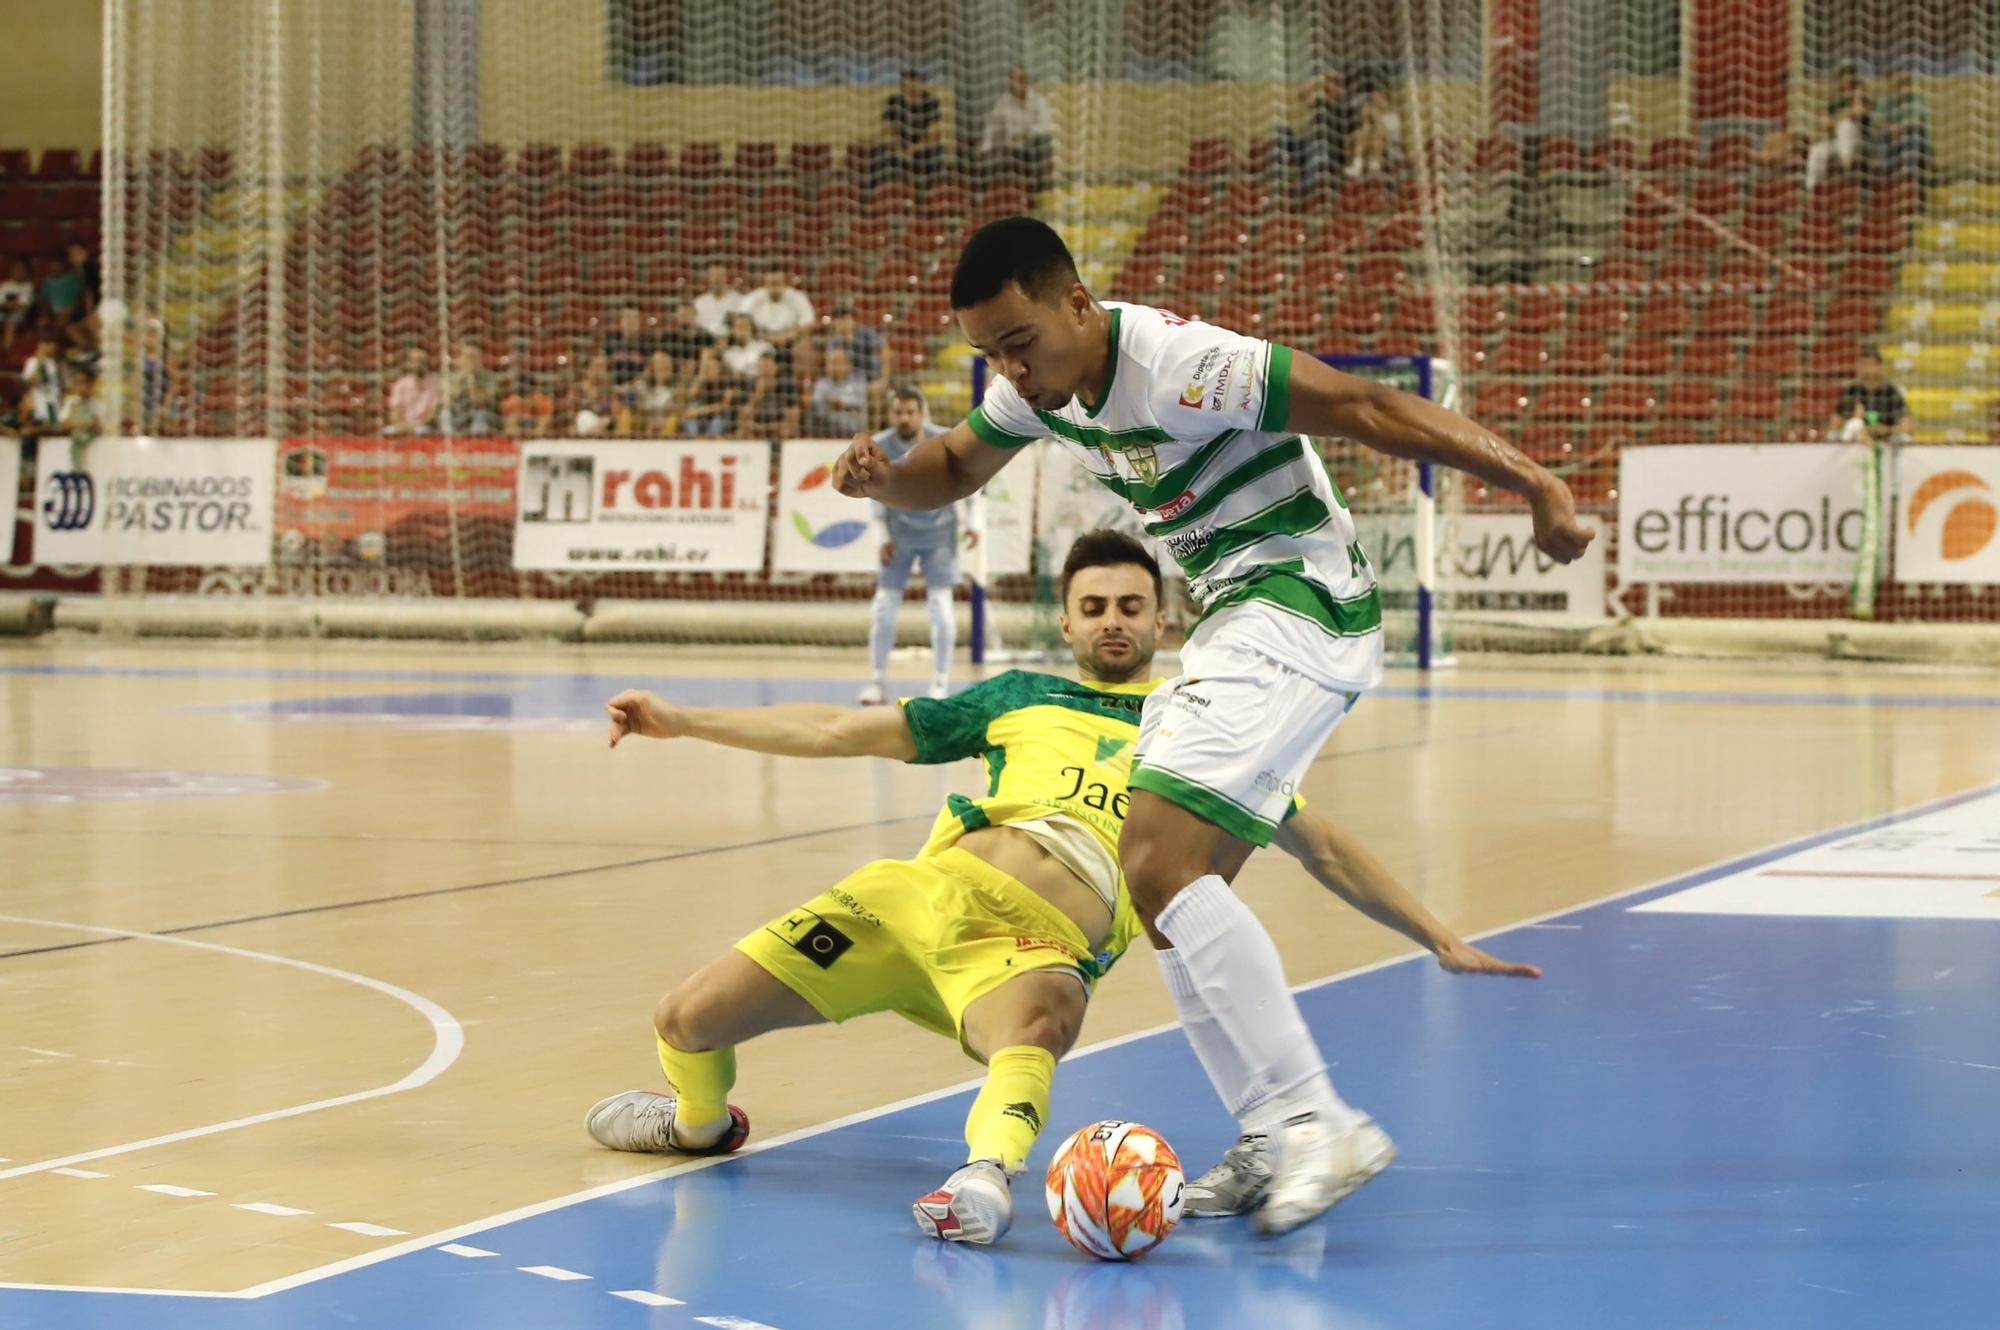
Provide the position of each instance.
(1948, 514)
(1721, 513)
(165, 502)
(348, 495)
(643, 506)
(817, 528)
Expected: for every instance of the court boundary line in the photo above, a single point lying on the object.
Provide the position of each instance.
(447, 1042)
(1678, 881)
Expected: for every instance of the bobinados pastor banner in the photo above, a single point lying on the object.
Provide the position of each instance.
(163, 502)
(1792, 512)
(643, 506)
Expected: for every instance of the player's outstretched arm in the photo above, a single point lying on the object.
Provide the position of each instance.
(1344, 866)
(936, 472)
(792, 729)
(1327, 403)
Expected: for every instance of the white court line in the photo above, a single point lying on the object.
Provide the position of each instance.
(370, 1230)
(168, 1189)
(266, 1208)
(447, 1041)
(460, 1249)
(79, 1173)
(430, 1240)
(645, 1299)
(550, 1272)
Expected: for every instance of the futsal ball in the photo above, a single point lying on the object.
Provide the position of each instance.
(1114, 1190)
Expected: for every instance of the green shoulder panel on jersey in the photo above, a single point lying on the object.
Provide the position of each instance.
(1276, 457)
(982, 425)
(1293, 593)
(951, 728)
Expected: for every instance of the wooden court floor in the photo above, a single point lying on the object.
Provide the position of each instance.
(350, 971)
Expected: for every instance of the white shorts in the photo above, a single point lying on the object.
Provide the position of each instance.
(1232, 743)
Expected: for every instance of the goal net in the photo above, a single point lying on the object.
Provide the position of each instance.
(413, 297)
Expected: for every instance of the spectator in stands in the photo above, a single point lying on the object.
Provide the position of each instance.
(780, 311)
(808, 360)
(1318, 149)
(79, 415)
(1020, 133)
(655, 397)
(43, 376)
(1871, 409)
(81, 259)
(63, 294)
(743, 350)
(629, 346)
(1845, 122)
(708, 403)
(863, 345)
(17, 301)
(1903, 123)
(1779, 151)
(471, 396)
(1377, 143)
(685, 339)
(718, 302)
(527, 412)
(415, 397)
(839, 398)
(912, 129)
(596, 403)
(771, 411)
(155, 376)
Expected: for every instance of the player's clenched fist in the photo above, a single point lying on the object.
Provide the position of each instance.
(863, 470)
(637, 712)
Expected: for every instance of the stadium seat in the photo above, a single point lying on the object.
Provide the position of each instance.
(1364, 198)
(1710, 355)
(1620, 272)
(1773, 195)
(1247, 196)
(1380, 274)
(1763, 232)
(1731, 152)
(1665, 314)
(1601, 313)
(1283, 234)
(1210, 157)
(1614, 155)
(1639, 234)
(1564, 399)
(811, 159)
(1880, 233)
(1497, 155)
(1671, 152)
(1693, 235)
(540, 160)
(1786, 315)
(1323, 274)
(1626, 401)
(1897, 198)
(1717, 196)
(1204, 276)
(1582, 353)
(1687, 271)
(1865, 276)
(1499, 400)
(1820, 233)
(897, 196)
(1836, 197)
(1538, 312)
(1400, 233)
(1482, 312)
(1222, 235)
(591, 160)
(1400, 344)
(1548, 444)
(1756, 400)
(1261, 275)
(1852, 314)
(755, 160)
(1833, 356)
(1297, 314)
(1416, 312)
(1356, 312)
(1692, 399)
(1771, 358)
(1559, 153)
(15, 163)
(1239, 314)
(1744, 272)
(1343, 234)
(1646, 355)
(1517, 353)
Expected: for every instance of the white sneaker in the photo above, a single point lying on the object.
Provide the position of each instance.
(1319, 1168)
(872, 696)
(642, 1122)
(1236, 1184)
(974, 1205)
(940, 686)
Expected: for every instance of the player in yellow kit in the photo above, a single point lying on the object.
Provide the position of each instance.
(995, 933)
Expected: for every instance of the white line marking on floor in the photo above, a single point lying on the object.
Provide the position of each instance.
(550, 1272)
(732, 1323)
(78, 1173)
(645, 1299)
(168, 1189)
(266, 1208)
(539, 1208)
(447, 1042)
(460, 1249)
(370, 1230)
(1557, 928)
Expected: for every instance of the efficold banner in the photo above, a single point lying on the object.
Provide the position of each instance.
(818, 529)
(1724, 512)
(643, 506)
(1948, 514)
(160, 502)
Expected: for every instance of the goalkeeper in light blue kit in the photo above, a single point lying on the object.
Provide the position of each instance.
(926, 540)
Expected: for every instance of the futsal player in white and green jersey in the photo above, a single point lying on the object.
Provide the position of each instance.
(1206, 433)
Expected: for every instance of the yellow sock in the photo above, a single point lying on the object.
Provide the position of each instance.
(701, 1084)
(1007, 1116)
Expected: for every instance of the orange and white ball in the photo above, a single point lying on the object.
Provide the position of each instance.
(1114, 1190)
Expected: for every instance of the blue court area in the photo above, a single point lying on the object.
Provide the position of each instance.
(1697, 1119)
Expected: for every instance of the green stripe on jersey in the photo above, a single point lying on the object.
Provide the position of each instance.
(1117, 440)
(1275, 458)
(982, 425)
(1286, 590)
(1302, 512)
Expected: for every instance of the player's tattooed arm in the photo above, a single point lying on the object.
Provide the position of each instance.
(1329, 404)
(937, 472)
(793, 729)
(1345, 867)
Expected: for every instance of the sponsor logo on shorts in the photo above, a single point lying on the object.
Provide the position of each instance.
(856, 908)
(813, 938)
(1041, 944)
(1271, 780)
(1192, 701)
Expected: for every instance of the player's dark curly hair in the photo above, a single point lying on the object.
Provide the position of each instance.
(1105, 548)
(1021, 250)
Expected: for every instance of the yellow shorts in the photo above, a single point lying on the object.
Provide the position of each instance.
(924, 938)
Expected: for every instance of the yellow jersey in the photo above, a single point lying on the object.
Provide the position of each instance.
(1053, 749)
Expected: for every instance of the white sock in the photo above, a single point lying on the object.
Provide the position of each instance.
(1219, 1058)
(882, 631)
(1235, 969)
(944, 631)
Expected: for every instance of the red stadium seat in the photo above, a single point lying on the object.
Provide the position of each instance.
(1323, 274)
(1582, 353)
(1342, 235)
(1879, 233)
(1852, 314)
(1745, 272)
(1687, 271)
(1665, 314)
(1713, 356)
(1239, 314)
(1716, 196)
(1756, 400)
(1692, 399)
(1786, 315)
(1639, 234)
(1416, 312)
(1249, 196)
(1774, 195)
(1364, 198)
(1646, 355)
(1820, 234)
(1205, 276)
(1298, 314)
(1626, 401)
(1497, 155)
(1620, 272)
(1400, 233)
(1771, 358)
(1224, 234)
(1356, 312)
(756, 159)
(1401, 344)
(1210, 157)
(1897, 198)
(1693, 235)
(1380, 274)
(1731, 152)
(1285, 234)
(1601, 313)
(1500, 400)
(539, 160)
(1614, 155)
(1517, 353)
(811, 158)
(1260, 275)
(1865, 276)
(1482, 312)
(1560, 153)
(1763, 232)
(1564, 399)
(1836, 197)
(591, 159)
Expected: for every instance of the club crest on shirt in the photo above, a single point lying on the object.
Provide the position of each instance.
(1145, 460)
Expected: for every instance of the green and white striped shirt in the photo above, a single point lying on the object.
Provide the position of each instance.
(1191, 433)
